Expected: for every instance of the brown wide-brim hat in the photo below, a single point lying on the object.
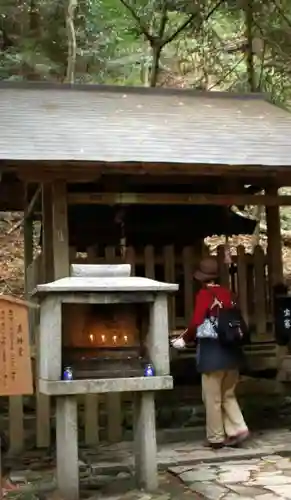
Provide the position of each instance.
(207, 269)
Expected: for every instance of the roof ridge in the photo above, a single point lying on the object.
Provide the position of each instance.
(118, 89)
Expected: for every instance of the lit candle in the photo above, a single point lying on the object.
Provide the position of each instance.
(125, 339)
(91, 337)
(103, 338)
(114, 339)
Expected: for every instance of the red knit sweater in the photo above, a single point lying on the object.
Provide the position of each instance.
(203, 302)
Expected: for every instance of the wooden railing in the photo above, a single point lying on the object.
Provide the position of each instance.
(247, 277)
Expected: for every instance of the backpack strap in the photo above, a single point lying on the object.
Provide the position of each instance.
(216, 301)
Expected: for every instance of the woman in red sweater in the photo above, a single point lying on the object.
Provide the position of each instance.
(218, 365)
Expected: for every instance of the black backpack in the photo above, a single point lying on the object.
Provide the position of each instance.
(229, 324)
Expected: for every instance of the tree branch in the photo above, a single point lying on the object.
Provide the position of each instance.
(281, 12)
(232, 70)
(143, 28)
(260, 81)
(188, 21)
(158, 41)
(164, 20)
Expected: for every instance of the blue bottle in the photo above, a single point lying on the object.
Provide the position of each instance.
(68, 373)
(149, 370)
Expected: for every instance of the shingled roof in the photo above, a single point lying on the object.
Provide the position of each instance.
(119, 124)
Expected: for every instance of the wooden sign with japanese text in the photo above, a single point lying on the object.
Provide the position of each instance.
(282, 310)
(15, 361)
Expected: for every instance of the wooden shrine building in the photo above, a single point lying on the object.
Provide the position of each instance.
(139, 175)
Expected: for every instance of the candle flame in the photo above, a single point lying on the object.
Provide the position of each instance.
(103, 338)
(114, 339)
(91, 337)
(125, 338)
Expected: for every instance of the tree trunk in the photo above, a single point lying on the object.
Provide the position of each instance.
(34, 18)
(156, 54)
(72, 43)
(249, 53)
(145, 70)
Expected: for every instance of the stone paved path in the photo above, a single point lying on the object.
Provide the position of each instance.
(261, 470)
(119, 456)
(100, 487)
(265, 478)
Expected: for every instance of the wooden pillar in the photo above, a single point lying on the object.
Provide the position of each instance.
(274, 254)
(55, 265)
(28, 242)
(28, 259)
(47, 234)
(274, 251)
(60, 230)
(16, 416)
(16, 427)
(43, 408)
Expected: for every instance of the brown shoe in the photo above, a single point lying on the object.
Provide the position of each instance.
(237, 440)
(214, 446)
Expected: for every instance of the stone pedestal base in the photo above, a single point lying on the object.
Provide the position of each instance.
(145, 445)
(67, 447)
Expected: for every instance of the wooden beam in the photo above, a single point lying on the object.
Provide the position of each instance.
(176, 199)
(86, 171)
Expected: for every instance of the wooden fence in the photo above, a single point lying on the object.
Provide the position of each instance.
(104, 416)
(247, 277)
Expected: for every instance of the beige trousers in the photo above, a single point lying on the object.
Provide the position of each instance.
(223, 414)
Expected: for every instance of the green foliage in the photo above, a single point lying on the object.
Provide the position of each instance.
(117, 43)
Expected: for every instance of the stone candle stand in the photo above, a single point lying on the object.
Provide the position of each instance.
(98, 284)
